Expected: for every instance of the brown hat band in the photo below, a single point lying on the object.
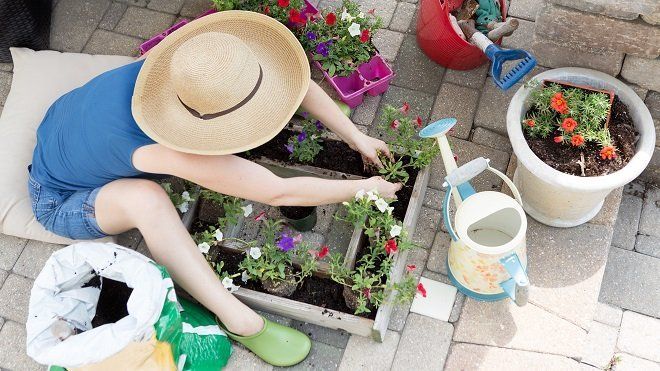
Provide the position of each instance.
(210, 116)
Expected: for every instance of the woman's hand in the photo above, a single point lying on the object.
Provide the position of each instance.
(385, 189)
(369, 148)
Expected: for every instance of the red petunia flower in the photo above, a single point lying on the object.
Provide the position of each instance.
(577, 140)
(411, 267)
(530, 123)
(295, 17)
(267, 10)
(559, 139)
(569, 125)
(330, 19)
(608, 153)
(391, 247)
(372, 11)
(325, 250)
(455, 158)
(395, 124)
(261, 216)
(405, 108)
(558, 103)
(364, 36)
(419, 122)
(283, 3)
(367, 292)
(421, 289)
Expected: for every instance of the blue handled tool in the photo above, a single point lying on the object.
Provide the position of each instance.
(500, 56)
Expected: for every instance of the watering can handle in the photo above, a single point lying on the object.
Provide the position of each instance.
(464, 174)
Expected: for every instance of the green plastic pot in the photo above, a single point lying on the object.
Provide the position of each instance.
(302, 225)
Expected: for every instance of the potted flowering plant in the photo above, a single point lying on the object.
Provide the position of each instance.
(368, 283)
(272, 263)
(576, 137)
(411, 151)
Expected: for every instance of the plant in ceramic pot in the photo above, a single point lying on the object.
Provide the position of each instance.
(575, 142)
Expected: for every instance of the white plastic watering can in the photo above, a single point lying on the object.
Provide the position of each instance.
(487, 257)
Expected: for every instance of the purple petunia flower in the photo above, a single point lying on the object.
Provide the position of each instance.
(302, 136)
(286, 243)
(289, 147)
(319, 125)
(322, 48)
(304, 114)
(311, 36)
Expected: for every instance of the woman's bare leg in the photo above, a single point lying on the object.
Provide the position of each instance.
(137, 203)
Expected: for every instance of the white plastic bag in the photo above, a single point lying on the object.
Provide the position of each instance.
(58, 295)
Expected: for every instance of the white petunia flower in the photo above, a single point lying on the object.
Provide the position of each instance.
(247, 210)
(395, 230)
(360, 194)
(204, 247)
(381, 205)
(183, 207)
(373, 195)
(228, 283)
(345, 203)
(390, 209)
(354, 29)
(255, 252)
(346, 16)
(361, 15)
(218, 235)
(186, 196)
(245, 276)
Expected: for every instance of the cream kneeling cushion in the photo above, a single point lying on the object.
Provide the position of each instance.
(39, 79)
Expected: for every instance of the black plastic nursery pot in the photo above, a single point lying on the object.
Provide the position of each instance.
(300, 218)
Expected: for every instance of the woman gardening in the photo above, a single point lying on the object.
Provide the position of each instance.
(221, 85)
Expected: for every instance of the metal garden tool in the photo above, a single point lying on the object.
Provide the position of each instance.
(499, 56)
(487, 257)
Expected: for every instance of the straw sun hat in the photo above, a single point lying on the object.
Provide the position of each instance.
(225, 83)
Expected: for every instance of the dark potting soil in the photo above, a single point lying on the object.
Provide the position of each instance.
(567, 158)
(322, 292)
(297, 212)
(336, 155)
(111, 306)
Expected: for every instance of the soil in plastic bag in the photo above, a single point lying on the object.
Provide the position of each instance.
(111, 306)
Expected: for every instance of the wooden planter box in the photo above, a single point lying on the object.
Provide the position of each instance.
(325, 317)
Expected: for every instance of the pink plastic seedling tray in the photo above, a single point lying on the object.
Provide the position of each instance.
(372, 77)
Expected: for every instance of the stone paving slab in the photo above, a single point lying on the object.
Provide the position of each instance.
(112, 16)
(424, 344)
(599, 344)
(242, 359)
(491, 139)
(608, 314)
(3, 276)
(12, 343)
(321, 357)
(474, 78)
(403, 17)
(415, 70)
(143, 23)
(106, 42)
(5, 85)
(388, 43)
(565, 280)
(478, 357)
(193, 8)
(458, 102)
(363, 353)
(629, 362)
(14, 298)
(530, 327)
(74, 21)
(335, 338)
(166, 6)
(10, 249)
(34, 257)
(427, 224)
(649, 222)
(438, 255)
(648, 245)
(525, 9)
(640, 335)
(631, 281)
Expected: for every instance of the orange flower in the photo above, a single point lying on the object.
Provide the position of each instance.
(569, 125)
(577, 140)
(559, 139)
(531, 123)
(608, 152)
(558, 103)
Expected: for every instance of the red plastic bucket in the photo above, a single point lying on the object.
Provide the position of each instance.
(439, 41)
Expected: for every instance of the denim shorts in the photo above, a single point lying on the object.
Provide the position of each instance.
(70, 214)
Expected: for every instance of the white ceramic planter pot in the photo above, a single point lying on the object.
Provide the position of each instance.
(562, 200)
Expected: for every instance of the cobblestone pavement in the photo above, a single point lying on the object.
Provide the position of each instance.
(571, 321)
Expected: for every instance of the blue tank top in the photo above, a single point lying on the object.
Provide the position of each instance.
(88, 136)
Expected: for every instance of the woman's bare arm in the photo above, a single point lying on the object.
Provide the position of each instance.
(238, 177)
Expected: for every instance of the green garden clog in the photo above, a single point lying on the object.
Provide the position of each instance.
(276, 344)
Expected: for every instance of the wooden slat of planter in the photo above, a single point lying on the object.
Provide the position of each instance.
(306, 312)
(384, 313)
(303, 170)
(353, 246)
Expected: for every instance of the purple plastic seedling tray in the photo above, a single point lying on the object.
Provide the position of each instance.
(147, 45)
